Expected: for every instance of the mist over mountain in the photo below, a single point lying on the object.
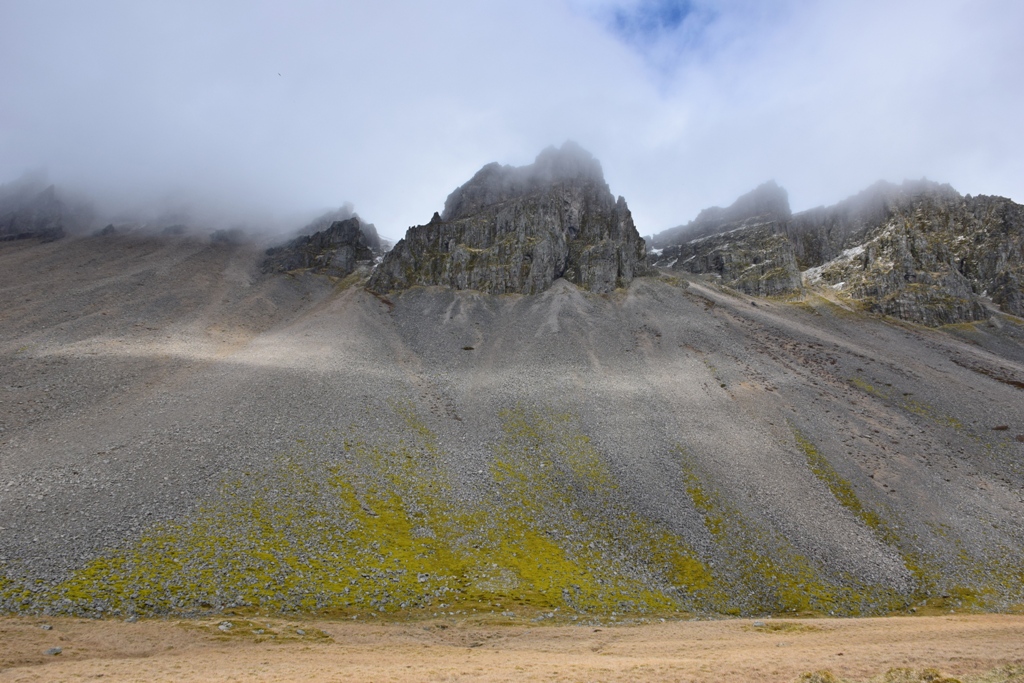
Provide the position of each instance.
(495, 184)
(33, 208)
(30, 208)
(337, 250)
(765, 202)
(164, 107)
(324, 221)
(919, 251)
(517, 230)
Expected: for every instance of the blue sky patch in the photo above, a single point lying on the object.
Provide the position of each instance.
(650, 19)
(666, 32)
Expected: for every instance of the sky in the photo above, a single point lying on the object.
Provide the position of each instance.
(264, 113)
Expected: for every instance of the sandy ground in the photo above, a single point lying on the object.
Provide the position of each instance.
(732, 650)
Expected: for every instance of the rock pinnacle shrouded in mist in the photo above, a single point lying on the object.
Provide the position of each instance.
(519, 229)
(31, 208)
(764, 203)
(338, 250)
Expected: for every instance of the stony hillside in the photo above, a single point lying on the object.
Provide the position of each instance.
(918, 251)
(181, 433)
(517, 230)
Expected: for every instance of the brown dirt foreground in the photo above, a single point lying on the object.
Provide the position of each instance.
(972, 648)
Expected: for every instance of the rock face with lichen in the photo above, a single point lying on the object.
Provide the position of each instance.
(744, 244)
(760, 263)
(919, 251)
(929, 255)
(517, 230)
(337, 251)
(767, 203)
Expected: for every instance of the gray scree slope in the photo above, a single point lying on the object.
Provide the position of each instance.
(138, 375)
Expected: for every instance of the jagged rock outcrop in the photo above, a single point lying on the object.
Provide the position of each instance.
(762, 263)
(519, 229)
(327, 219)
(918, 251)
(934, 256)
(743, 244)
(337, 251)
(822, 233)
(766, 203)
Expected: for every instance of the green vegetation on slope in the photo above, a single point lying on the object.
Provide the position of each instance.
(374, 529)
(968, 582)
(910, 405)
(766, 572)
(840, 488)
(349, 527)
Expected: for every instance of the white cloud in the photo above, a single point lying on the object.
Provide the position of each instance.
(391, 105)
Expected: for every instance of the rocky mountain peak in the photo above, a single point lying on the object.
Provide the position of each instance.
(918, 250)
(336, 251)
(495, 183)
(767, 202)
(519, 229)
(767, 199)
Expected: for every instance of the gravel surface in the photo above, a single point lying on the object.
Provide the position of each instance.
(802, 456)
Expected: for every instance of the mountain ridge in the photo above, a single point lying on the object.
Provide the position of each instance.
(337, 250)
(187, 428)
(766, 202)
(517, 230)
(924, 253)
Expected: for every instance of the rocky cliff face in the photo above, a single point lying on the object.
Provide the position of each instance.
(766, 203)
(761, 263)
(519, 229)
(336, 251)
(935, 257)
(743, 244)
(918, 251)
